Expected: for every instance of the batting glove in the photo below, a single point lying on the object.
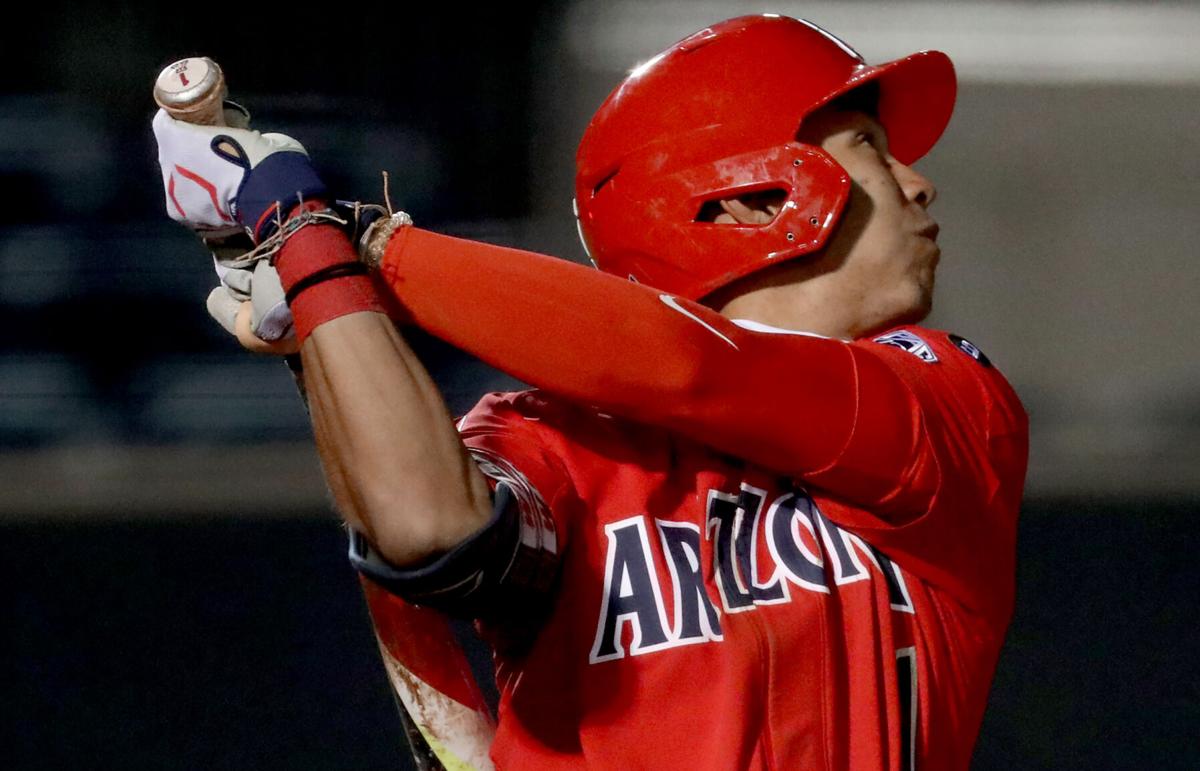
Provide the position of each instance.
(218, 178)
(249, 304)
(222, 180)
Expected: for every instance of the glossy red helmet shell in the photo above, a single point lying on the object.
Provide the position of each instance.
(716, 116)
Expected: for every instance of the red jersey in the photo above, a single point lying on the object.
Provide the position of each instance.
(786, 552)
(714, 613)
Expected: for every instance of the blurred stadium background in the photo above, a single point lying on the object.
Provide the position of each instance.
(173, 580)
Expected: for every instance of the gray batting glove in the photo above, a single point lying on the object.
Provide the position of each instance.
(249, 304)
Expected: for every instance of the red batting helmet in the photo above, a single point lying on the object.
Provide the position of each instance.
(715, 116)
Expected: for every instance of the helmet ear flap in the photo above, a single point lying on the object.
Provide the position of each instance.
(692, 254)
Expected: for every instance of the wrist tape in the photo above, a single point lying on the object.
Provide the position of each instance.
(321, 276)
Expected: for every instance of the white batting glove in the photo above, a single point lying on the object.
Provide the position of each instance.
(219, 178)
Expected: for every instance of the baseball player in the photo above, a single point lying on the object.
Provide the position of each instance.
(752, 516)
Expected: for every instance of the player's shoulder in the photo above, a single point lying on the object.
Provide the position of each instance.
(931, 346)
(933, 350)
(952, 359)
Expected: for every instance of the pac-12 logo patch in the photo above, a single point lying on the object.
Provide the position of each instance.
(970, 349)
(907, 341)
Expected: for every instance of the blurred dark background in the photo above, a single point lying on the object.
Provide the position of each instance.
(174, 583)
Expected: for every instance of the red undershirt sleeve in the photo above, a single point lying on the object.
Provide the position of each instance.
(831, 413)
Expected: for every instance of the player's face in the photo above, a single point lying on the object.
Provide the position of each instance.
(884, 252)
(877, 269)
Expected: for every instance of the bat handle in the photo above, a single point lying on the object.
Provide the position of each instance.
(192, 90)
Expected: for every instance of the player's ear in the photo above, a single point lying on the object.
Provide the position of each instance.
(738, 211)
(751, 209)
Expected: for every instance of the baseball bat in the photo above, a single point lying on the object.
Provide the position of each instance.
(446, 718)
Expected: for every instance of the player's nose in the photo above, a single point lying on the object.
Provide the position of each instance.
(916, 186)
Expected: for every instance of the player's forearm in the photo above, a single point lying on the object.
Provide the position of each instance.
(396, 466)
(397, 469)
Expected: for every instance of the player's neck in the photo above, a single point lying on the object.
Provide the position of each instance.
(806, 307)
(824, 304)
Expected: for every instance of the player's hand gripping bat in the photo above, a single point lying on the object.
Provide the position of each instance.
(446, 717)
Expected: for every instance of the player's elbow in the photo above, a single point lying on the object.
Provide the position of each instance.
(408, 530)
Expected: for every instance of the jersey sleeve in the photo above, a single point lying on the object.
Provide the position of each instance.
(961, 491)
(931, 421)
(501, 434)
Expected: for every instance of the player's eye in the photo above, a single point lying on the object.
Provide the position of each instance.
(871, 140)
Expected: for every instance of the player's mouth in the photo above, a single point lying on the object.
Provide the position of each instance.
(930, 231)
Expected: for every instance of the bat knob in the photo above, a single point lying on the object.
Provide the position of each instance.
(192, 90)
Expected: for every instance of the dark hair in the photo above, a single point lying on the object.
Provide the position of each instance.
(865, 98)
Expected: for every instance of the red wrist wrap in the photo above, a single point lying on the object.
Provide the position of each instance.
(315, 249)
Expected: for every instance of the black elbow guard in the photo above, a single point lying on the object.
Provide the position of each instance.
(474, 578)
